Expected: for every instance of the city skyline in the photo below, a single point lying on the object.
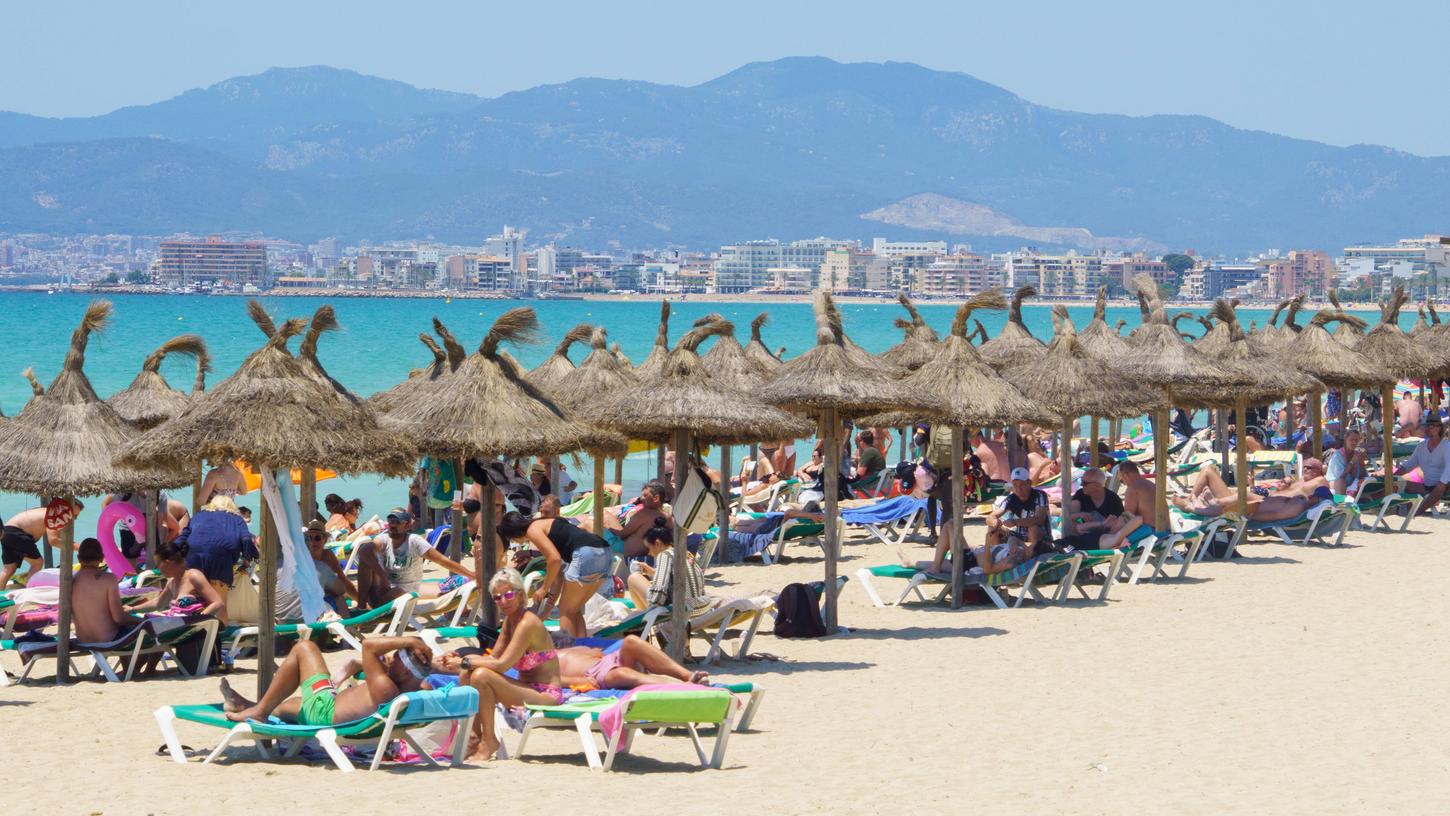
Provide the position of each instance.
(1130, 58)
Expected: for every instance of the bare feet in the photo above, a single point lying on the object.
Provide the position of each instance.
(231, 699)
(482, 752)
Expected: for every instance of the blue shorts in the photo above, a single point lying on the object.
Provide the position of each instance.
(589, 564)
(1141, 532)
(615, 542)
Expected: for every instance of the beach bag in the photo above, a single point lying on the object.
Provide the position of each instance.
(698, 504)
(798, 613)
(243, 602)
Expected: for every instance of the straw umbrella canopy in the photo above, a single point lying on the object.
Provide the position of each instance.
(974, 396)
(1105, 343)
(487, 409)
(1014, 344)
(149, 399)
(1399, 356)
(63, 444)
(756, 348)
(554, 373)
(730, 365)
(600, 373)
(920, 344)
(383, 400)
(1161, 358)
(1346, 333)
(1315, 352)
(685, 403)
(649, 368)
(828, 382)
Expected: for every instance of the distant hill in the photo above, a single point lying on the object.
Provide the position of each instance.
(793, 148)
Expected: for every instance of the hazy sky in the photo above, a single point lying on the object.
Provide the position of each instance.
(1335, 71)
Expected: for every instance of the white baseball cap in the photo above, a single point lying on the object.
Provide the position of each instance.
(1021, 474)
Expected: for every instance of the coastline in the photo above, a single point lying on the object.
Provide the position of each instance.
(1310, 306)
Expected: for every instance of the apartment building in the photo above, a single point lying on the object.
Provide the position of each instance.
(212, 263)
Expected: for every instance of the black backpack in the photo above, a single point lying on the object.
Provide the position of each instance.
(798, 613)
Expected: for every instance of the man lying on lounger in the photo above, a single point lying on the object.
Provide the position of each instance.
(1212, 497)
(391, 666)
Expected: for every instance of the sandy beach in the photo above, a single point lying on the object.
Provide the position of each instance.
(1293, 680)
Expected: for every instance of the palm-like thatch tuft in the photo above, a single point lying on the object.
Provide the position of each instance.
(1014, 344)
(756, 349)
(1101, 340)
(64, 442)
(487, 408)
(1265, 378)
(278, 411)
(36, 389)
(1345, 332)
(620, 355)
(1389, 348)
(600, 374)
(383, 401)
(1314, 352)
(553, 374)
(1068, 382)
(149, 399)
(973, 393)
(1160, 357)
(920, 344)
(727, 362)
(684, 396)
(655, 360)
(829, 376)
(978, 334)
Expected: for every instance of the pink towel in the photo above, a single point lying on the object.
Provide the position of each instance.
(611, 720)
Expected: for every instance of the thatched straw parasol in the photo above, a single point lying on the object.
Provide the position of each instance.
(1105, 343)
(554, 374)
(488, 409)
(1345, 332)
(650, 367)
(601, 373)
(756, 348)
(974, 396)
(1318, 354)
(829, 382)
(1397, 355)
(1014, 344)
(920, 344)
(383, 400)
(64, 443)
(684, 403)
(149, 399)
(1161, 358)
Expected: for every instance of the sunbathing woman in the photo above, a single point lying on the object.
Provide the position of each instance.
(523, 644)
(187, 591)
(636, 662)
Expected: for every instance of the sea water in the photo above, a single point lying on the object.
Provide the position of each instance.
(378, 345)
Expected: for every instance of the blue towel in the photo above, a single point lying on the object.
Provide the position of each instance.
(425, 706)
(893, 509)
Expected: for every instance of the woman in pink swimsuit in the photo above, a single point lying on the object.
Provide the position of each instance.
(523, 644)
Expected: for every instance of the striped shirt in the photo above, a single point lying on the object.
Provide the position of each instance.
(663, 582)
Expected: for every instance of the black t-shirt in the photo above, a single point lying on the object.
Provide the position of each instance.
(567, 538)
(1112, 505)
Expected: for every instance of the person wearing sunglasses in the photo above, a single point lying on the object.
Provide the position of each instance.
(578, 557)
(392, 563)
(335, 583)
(523, 644)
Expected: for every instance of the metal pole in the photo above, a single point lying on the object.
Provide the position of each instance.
(679, 609)
(267, 600)
(831, 434)
(67, 581)
(958, 510)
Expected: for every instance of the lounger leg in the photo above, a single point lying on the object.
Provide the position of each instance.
(384, 740)
(239, 730)
(460, 741)
(993, 594)
(420, 750)
(699, 746)
(344, 635)
(500, 726)
(584, 724)
(748, 715)
(1114, 567)
(328, 739)
(166, 721)
(864, 576)
(913, 584)
(722, 738)
(1147, 553)
(743, 649)
(103, 666)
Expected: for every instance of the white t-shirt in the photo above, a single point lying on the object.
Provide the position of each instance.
(1433, 464)
(405, 564)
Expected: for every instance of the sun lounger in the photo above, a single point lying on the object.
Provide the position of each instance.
(742, 616)
(769, 497)
(1317, 525)
(452, 605)
(394, 720)
(584, 505)
(643, 710)
(889, 520)
(158, 635)
(1383, 507)
(1029, 575)
(389, 619)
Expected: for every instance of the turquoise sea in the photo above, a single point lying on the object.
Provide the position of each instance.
(378, 345)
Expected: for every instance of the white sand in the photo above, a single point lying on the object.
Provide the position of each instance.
(1296, 680)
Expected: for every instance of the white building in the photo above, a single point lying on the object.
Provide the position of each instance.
(892, 249)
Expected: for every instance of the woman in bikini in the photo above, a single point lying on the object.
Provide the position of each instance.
(523, 644)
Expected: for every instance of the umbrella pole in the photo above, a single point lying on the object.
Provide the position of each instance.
(1241, 456)
(1160, 468)
(619, 474)
(958, 510)
(485, 550)
(1220, 433)
(598, 495)
(905, 447)
(307, 495)
(1094, 443)
(196, 497)
(153, 525)
(267, 601)
(660, 462)
(725, 476)
(832, 432)
(722, 524)
(67, 580)
(455, 532)
(1387, 395)
(45, 547)
(1065, 477)
(679, 610)
(1316, 422)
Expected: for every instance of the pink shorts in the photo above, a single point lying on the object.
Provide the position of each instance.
(606, 664)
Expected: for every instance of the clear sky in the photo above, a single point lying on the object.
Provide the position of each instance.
(1335, 71)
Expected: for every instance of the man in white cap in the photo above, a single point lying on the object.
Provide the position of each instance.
(1020, 516)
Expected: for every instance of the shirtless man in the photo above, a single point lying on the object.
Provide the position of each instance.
(1139, 493)
(391, 666)
(627, 535)
(1408, 412)
(993, 455)
(96, 611)
(18, 543)
(224, 480)
(1212, 497)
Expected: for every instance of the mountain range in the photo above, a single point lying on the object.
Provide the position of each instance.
(793, 148)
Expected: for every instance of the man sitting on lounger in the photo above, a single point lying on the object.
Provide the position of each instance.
(1100, 520)
(391, 564)
(1432, 457)
(391, 666)
(1212, 497)
(626, 535)
(96, 610)
(1018, 523)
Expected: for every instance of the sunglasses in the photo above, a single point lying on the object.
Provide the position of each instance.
(315, 537)
(500, 597)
